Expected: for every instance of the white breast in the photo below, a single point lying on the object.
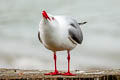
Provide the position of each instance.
(56, 38)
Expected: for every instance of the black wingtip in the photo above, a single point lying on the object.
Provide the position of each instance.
(82, 23)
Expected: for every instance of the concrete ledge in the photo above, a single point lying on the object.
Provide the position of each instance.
(7, 74)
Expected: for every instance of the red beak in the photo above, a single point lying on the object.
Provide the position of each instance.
(45, 15)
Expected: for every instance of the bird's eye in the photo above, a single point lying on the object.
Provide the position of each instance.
(53, 18)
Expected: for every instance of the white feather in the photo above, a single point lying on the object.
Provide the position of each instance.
(54, 34)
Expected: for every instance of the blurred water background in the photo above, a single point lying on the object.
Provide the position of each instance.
(20, 47)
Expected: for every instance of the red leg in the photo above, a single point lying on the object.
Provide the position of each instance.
(56, 71)
(68, 73)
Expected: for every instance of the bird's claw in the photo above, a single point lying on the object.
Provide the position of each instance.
(53, 73)
(69, 74)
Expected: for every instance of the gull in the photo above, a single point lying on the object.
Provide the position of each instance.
(59, 33)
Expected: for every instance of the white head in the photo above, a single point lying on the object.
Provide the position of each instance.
(49, 19)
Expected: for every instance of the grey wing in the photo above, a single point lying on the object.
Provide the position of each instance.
(76, 35)
(39, 36)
